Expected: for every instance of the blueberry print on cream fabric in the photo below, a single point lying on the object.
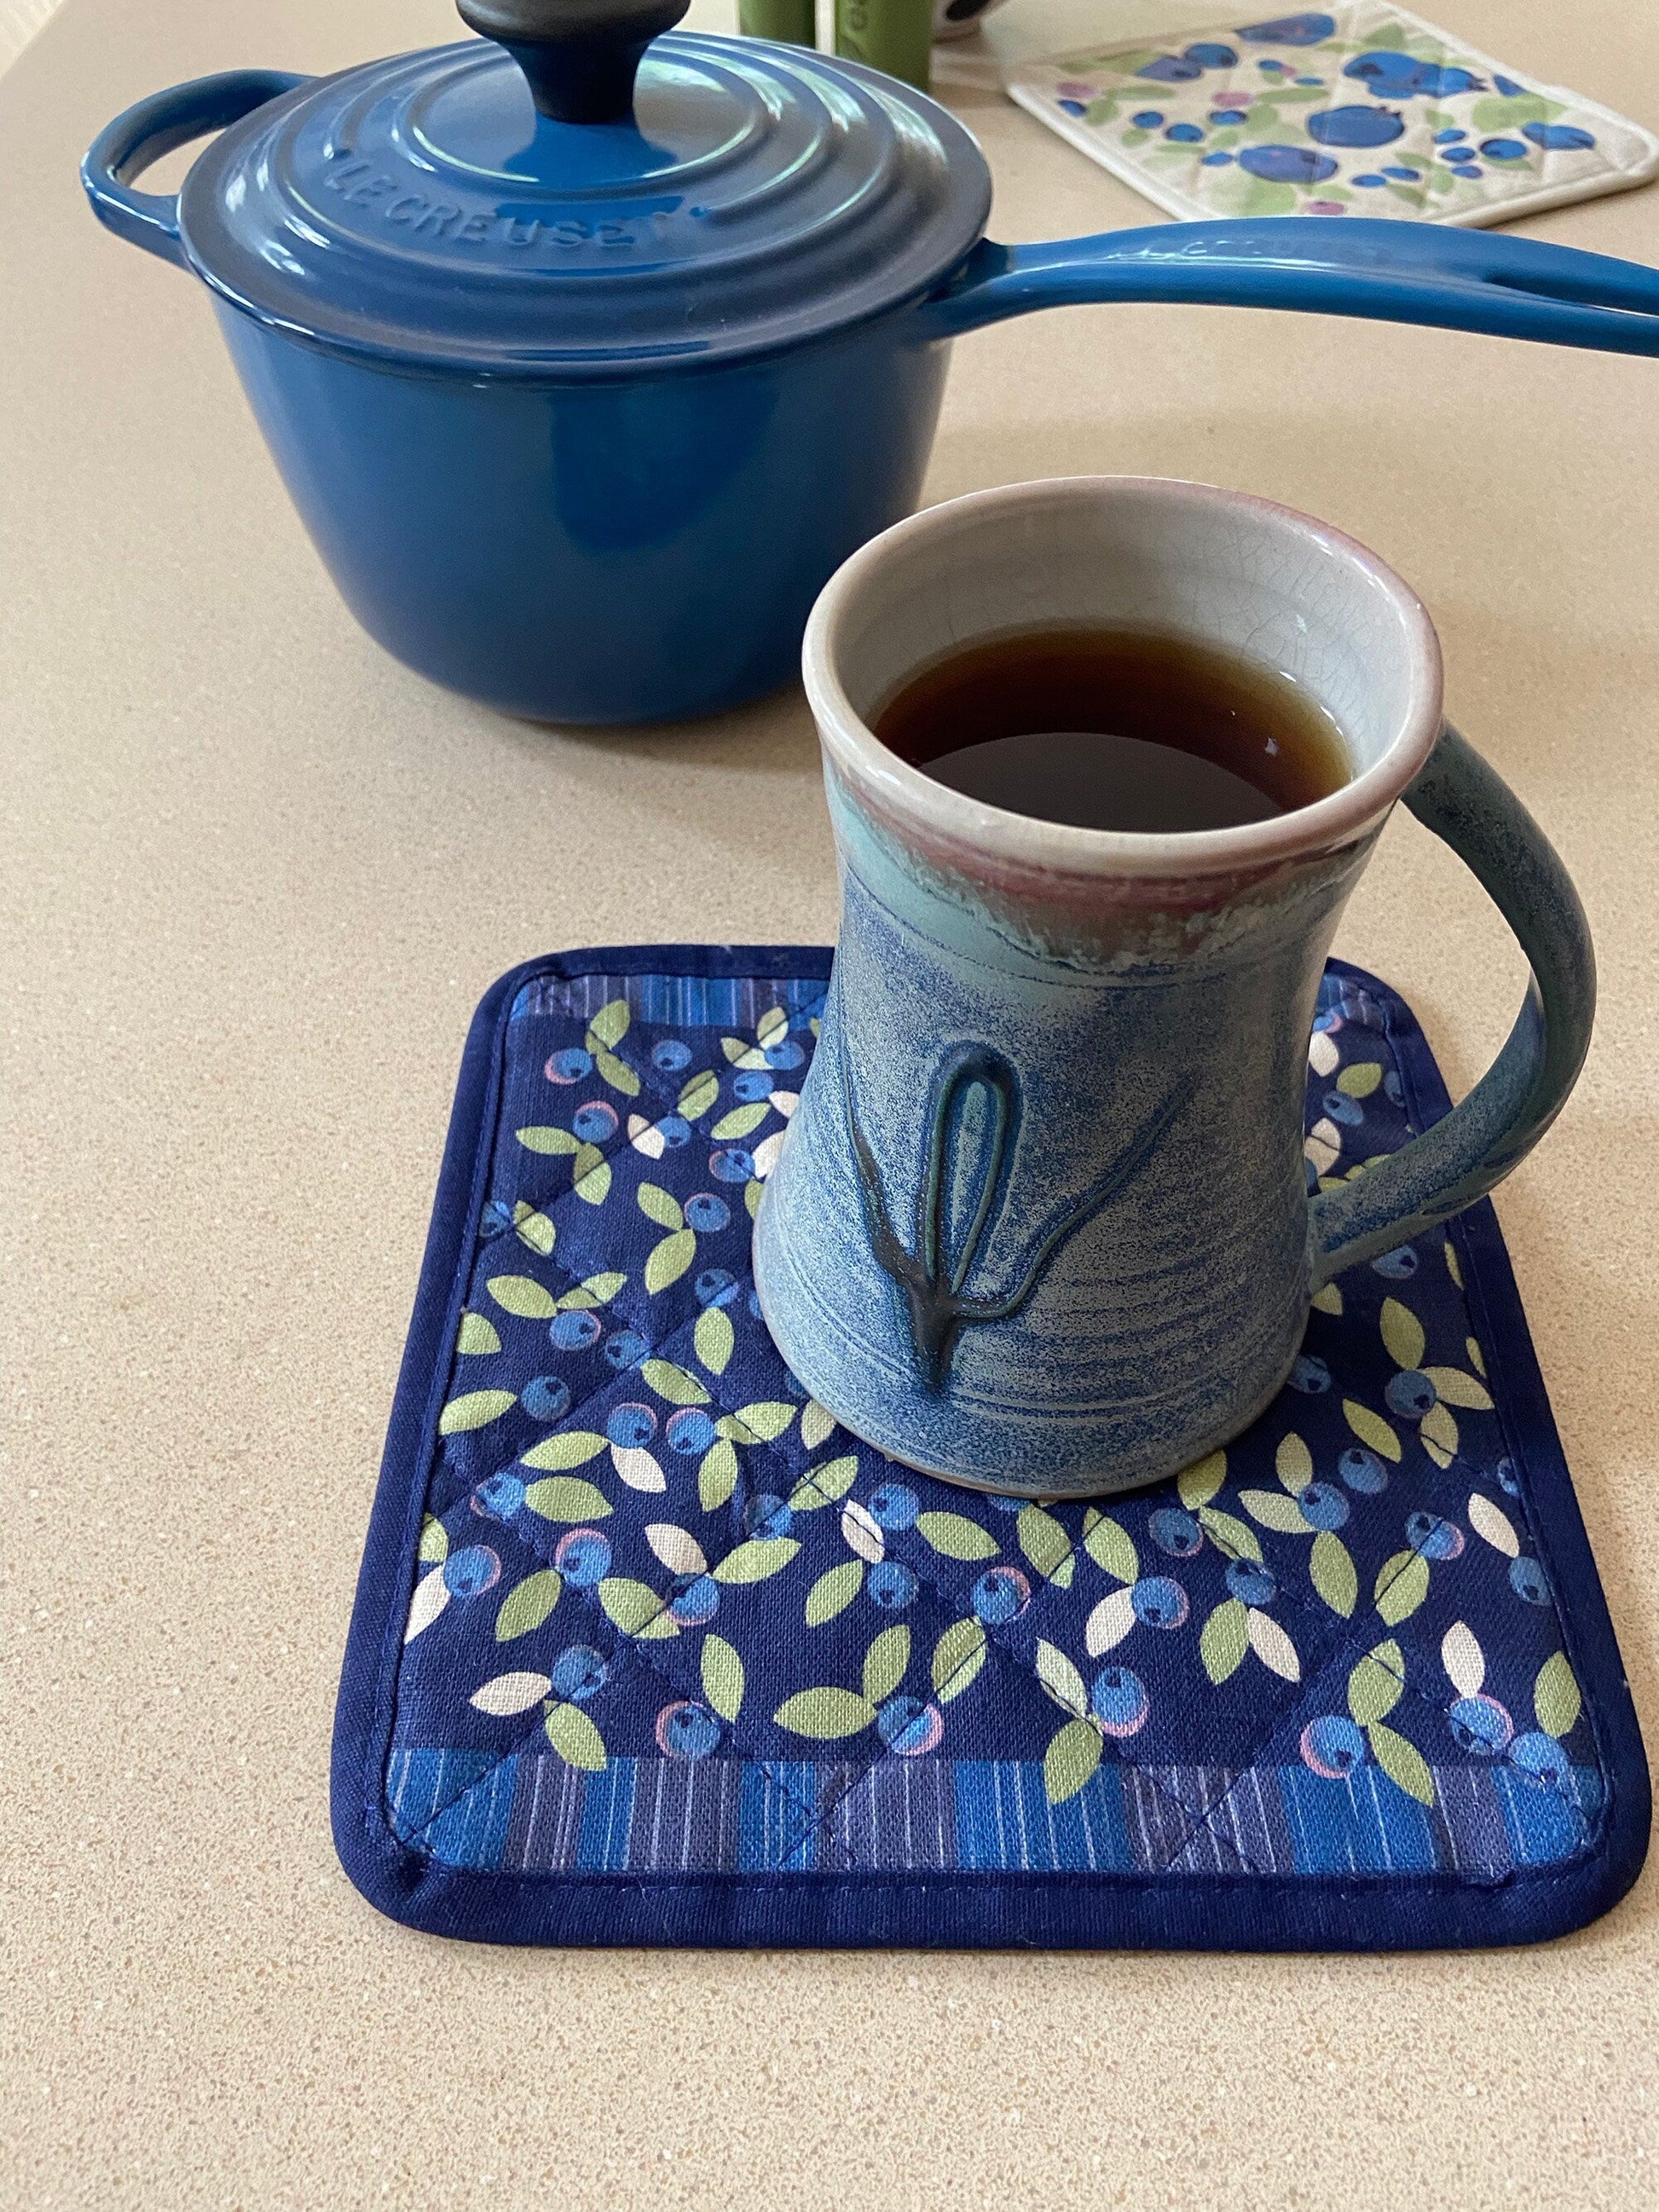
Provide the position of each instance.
(667, 1618)
(1362, 110)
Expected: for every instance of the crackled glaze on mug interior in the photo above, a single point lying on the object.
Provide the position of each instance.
(1041, 1222)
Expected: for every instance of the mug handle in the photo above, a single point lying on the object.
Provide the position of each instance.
(152, 128)
(1468, 804)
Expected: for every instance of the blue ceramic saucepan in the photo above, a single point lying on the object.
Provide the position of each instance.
(588, 353)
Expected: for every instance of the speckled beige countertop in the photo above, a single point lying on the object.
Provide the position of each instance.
(239, 842)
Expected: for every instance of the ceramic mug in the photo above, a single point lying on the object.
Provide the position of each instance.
(1043, 1222)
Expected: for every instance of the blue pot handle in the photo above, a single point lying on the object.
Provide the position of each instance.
(1466, 803)
(123, 150)
(1399, 272)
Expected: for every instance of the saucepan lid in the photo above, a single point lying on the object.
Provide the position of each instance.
(583, 192)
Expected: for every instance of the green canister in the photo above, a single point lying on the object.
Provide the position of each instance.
(792, 21)
(894, 35)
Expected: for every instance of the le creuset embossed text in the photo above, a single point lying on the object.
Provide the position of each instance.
(589, 355)
(1043, 1221)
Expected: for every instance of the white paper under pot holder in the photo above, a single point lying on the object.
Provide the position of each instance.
(1363, 109)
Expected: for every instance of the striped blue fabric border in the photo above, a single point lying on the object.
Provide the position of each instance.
(532, 1813)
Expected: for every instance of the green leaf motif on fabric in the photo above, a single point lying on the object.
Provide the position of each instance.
(668, 1260)
(1371, 1428)
(476, 1336)
(659, 1206)
(698, 1094)
(713, 1339)
(568, 1448)
(884, 1664)
(1070, 1761)
(1437, 1433)
(1197, 1485)
(1045, 1543)
(741, 1121)
(1293, 1463)
(761, 1423)
(1492, 1525)
(572, 1734)
(955, 1536)
(434, 1542)
(833, 1592)
(825, 1486)
(676, 1384)
(1402, 1583)
(1376, 1683)
(1359, 1078)
(609, 1026)
(1335, 1576)
(815, 1424)
(474, 1409)
(958, 1657)
(1402, 1335)
(1061, 1679)
(1225, 1640)
(1402, 1762)
(1229, 1535)
(1458, 1388)
(636, 1608)
(566, 1498)
(597, 1291)
(618, 1073)
(717, 1476)
(533, 1229)
(1111, 1546)
(521, 1296)
(1508, 114)
(590, 1176)
(525, 1608)
(1274, 1510)
(548, 1140)
(1555, 1697)
(755, 1559)
(722, 1677)
(826, 1714)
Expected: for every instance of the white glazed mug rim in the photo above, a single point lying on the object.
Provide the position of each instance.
(1062, 849)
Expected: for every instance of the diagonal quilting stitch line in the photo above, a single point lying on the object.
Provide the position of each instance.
(654, 1082)
(609, 1154)
(1348, 1649)
(920, 1567)
(1517, 1456)
(634, 1654)
(1342, 1650)
(1189, 1812)
(537, 1541)
(856, 1779)
(532, 1729)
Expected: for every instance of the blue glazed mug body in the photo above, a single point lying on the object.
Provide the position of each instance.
(1041, 1220)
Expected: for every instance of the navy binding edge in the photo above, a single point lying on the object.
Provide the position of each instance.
(992, 1910)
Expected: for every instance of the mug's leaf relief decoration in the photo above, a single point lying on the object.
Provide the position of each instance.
(973, 1129)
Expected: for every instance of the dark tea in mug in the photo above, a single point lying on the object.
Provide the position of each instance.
(1116, 729)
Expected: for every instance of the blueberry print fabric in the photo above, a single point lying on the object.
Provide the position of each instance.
(1362, 110)
(647, 1650)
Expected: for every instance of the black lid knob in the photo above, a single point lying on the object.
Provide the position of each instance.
(579, 56)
